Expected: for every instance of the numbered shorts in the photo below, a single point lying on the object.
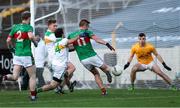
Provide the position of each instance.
(149, 66)
(25, 61)
(58, 73)
(94, 61)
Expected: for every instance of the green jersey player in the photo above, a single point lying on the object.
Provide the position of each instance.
(88, 56)
(22, 35)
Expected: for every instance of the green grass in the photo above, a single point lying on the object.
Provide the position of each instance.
(92, 98)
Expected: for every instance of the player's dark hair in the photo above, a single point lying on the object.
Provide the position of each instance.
(25, 15)
(51, 21)
(83, 22)
(59, 33)
(142, 35)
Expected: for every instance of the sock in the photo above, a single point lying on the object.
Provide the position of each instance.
(33, 94)
(172, 85)
(103, 90)
(132, 85)
(38, 90)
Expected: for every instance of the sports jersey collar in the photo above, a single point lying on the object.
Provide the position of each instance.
(142, 46)
(83, 29)
(24, 24)
(49, 30)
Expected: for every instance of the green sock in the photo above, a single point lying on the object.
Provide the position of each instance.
(173, 86)
(132, 85)
(38, 90)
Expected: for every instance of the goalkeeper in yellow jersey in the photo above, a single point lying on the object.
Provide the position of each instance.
(143, 51)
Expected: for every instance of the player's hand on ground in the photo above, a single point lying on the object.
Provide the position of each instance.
(167, 67)
(126, 65)
(110, 47)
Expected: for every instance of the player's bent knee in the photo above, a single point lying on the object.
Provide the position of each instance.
(53, 85)
(134, 70)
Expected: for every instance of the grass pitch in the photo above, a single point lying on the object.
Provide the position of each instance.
(93, 98)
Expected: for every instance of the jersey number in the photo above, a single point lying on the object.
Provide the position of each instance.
(19, 39)
(81, 42)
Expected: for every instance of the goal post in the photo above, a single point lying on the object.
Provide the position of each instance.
(33, 20)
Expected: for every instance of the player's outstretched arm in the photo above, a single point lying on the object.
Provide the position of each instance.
(163, 63)
(165, 66)
(70, 41)
(161, 60)
(101, 41)
(34, 39)
(129, 61)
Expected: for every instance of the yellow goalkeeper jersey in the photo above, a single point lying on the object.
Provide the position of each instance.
(143, 54)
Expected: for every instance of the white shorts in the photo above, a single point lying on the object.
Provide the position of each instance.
(58, 72)
(144, 67)
(24, 61)
(91, 62)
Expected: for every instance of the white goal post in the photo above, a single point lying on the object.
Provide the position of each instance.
(33, 20)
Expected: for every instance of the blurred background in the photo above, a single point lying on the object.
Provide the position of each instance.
(116, 21)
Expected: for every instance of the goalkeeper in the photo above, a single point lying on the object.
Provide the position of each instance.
(143, 51)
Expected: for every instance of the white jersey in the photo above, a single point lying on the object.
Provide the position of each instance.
(60, 57)
(40, 54)
(50, 40)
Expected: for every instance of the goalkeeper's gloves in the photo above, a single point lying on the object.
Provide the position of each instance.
(110, 47)
(126, 65)
(165, 66)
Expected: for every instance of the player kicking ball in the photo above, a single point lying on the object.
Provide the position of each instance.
(144, 51)
(87, 56)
